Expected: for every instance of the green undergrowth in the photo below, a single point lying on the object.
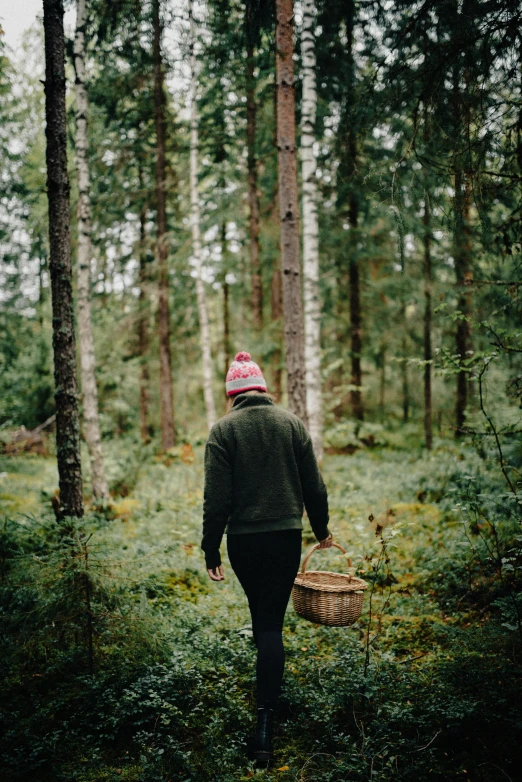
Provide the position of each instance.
(120, 660)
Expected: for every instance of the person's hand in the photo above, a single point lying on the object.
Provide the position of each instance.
(216, 574)
(327, 542)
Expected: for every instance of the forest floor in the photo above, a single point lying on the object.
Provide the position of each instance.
(425, 686)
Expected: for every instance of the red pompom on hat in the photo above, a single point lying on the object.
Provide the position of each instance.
(244, 375)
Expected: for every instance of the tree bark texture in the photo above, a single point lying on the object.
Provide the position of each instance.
(226, 302)
(64, 348)
(404, 351)
(253, 197)
(276, 285)
(168, 436)
(355, 321)
(353, 218)
(289, 209)
(276, 315)
(312, 304)
(91, 420)
(382, 380)
(428, 426)
(143, 335)
(462, 243)
(196, 235)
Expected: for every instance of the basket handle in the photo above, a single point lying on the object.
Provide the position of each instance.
(318, 545)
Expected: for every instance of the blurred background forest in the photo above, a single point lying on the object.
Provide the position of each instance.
(385, 310)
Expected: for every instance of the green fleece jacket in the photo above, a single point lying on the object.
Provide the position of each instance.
(260, 472)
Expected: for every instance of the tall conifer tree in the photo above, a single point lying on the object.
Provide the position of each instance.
(289, 208)
(196, 231)
(168, 436)
(67, 421)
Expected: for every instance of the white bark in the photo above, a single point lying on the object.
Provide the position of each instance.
(196, 234)
(85, 338)
(312, 306)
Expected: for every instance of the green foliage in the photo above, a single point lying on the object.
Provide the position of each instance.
(171, 695)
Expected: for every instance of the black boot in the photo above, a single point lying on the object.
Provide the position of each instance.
(263, 752)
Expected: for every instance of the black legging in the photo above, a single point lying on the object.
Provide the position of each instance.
(266, 564)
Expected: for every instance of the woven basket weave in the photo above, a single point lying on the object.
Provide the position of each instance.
(333, 599)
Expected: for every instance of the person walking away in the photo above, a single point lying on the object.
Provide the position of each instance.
(260, 474)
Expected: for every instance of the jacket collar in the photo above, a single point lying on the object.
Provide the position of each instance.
(251, 400)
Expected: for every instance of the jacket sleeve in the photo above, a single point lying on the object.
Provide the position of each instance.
(217, 500)
(315, 495)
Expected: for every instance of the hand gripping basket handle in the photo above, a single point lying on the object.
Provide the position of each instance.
(318, 545)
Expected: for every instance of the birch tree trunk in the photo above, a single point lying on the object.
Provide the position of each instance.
(64, 348)
(289, 209)
(91, 421)
(168, 436)
(312, 307)
(196, 235)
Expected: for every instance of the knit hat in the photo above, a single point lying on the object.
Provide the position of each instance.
(244, 375)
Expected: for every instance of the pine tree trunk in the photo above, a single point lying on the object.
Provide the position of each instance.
(226, 301)
(276, 315)
(404, 362)
(462, 242)
(143, 336)
(289, 209)
(226, 326)
(405, 385)
(428, 427)
(276, 286)
(168, 436)
(64, 348)
(382, 380)
(353, 221)
(312, 304)
(355, 320)
(91, 421)
(196, 236)
(253, 199)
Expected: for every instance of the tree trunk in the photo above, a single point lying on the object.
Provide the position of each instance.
(405, 385)
(312, 304)
(91, 421)
(382, 380)
(143, 336)
(168, 436)
(353, 221)
(462, 242)
(276, 287)
(42, 262)
(253, 199)
(289, 208)
(196, 237)
(64, 348)
(226, 301)
(276, 315)
(428, 428)
(404, 351)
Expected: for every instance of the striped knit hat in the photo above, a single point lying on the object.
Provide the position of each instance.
(244, 375)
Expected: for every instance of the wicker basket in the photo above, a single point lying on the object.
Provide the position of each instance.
(333, 599)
